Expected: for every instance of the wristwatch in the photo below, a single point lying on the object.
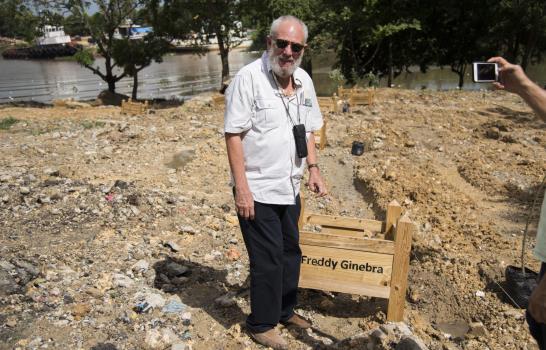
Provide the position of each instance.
(314, 165)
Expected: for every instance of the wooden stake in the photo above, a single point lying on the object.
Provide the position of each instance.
(322, 144)
(393, 214)
(301, 220)
(400, 268)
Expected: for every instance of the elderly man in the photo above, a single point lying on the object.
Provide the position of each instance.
(271, 113)
(513, 79)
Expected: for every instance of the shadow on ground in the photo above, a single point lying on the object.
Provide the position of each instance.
(205, 284)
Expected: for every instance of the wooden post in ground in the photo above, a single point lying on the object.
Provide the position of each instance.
(400, 268)
(301, 220)
(393, 214)
(322, 143)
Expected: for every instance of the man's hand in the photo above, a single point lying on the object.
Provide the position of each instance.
(244, 202)
(537, 302)
(511, 76)
(315, 182)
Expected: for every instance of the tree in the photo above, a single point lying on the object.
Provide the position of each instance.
(378, 37)
(135, 55)
(460, 32)
(219, 18)
(311, 12)
(74, 25)
(521, 30)
(102, 25)
(17, 20)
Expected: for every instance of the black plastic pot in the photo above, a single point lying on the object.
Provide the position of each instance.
(520, 286)
(357, 149)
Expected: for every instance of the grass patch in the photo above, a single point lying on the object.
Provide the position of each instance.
(7, 123)
(90, 125)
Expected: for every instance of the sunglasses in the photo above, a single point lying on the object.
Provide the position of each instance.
(281, 44)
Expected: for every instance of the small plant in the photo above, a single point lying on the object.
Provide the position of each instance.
(7, 123)
(337, 77)
(90, 125)
(373, 80)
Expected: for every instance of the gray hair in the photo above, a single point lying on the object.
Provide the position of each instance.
(278, 21)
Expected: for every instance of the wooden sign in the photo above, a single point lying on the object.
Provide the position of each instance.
(357, 96)
(218, 100)
(130, 107)
(343, 257)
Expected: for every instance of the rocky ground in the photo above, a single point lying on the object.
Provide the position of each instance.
(119, 232)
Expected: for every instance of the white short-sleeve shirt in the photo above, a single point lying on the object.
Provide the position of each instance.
(256, 109)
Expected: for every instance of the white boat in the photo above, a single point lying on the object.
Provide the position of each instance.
(52, 35)
(131, 31)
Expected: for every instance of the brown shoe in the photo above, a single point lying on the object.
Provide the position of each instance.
(270, 338)
(298, 321)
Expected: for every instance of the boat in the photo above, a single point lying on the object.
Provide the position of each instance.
(131, 31)
(53, 43)
(201, 42)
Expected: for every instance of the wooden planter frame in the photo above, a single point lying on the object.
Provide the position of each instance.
(130, 107)
(357, 96)
(342, 257)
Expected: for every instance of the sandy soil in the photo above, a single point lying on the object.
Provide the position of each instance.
(88, 194)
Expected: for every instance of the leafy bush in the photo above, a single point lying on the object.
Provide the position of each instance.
(7, 122)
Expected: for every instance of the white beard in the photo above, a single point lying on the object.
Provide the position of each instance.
(282, 72)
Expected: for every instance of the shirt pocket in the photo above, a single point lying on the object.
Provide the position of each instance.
(268, 114)
(307, 120)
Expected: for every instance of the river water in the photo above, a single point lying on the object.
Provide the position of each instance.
(178, 77)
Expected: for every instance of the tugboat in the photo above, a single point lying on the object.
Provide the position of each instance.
(53, 43)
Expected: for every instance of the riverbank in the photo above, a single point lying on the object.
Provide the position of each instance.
(101, 211)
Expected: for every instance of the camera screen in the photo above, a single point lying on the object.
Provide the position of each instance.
(486, 71)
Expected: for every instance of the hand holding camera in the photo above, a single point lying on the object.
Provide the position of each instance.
(485, 72)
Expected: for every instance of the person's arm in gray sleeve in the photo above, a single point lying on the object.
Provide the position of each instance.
(513, 79)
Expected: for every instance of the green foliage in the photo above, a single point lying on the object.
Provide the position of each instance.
(381, 36)
(102, 26)
(263, 14)
(337, 77)
(205, 18)
(86, 124)
(373, 80)
(134, 55)
(7, 123)
(75, 25)
(17, 20)
(85, 57)
(520, 29)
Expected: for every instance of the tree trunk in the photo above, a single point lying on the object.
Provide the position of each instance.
(135, 86)
(110, 79)
(307, 65)
(391, 74)
(528, 51)
(513, 55)
(460, 69)
(224, 53)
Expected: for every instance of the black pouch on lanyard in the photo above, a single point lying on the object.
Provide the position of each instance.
(301, 142)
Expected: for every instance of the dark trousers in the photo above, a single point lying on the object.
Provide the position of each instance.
(538, 330)
(272, 242)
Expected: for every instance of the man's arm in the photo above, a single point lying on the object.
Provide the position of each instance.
(316, 184)
(513, 79)
(243, 197)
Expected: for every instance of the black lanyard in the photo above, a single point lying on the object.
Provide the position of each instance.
(286, 107)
